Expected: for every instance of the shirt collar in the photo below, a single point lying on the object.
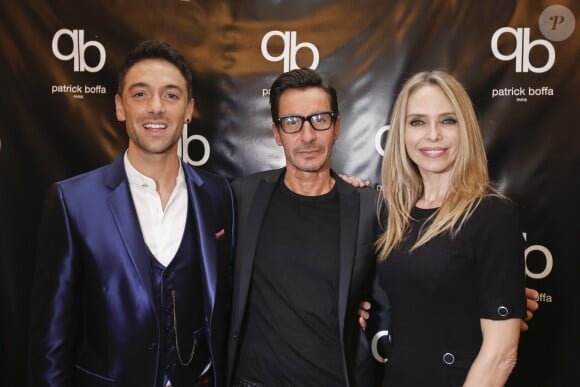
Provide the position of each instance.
(137, 179)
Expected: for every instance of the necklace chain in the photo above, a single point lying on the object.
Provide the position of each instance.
(194, 346)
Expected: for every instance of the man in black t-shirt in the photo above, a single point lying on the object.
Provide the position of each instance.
(304, 256)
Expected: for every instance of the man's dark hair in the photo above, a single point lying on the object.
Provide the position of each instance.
(154, 49)
(300, 79)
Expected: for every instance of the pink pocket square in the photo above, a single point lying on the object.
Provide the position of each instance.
(220, 235)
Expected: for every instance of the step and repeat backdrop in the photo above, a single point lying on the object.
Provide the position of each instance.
(517, 59)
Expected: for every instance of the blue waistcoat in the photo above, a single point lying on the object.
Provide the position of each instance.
(180, 281)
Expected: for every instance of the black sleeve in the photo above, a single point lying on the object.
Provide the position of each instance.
(498, 250)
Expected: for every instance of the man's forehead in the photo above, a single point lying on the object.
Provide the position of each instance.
(158, 72)
(305, 96)
(155, 67)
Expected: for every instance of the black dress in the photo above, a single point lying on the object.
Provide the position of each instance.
(440, 291)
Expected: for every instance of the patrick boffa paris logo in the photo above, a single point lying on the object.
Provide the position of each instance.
(86, 56)
(556, 23)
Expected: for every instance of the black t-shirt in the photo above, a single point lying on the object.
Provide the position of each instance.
(291, 335)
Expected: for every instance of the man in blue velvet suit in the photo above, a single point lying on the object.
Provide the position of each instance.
(133, 283)
(304, 255)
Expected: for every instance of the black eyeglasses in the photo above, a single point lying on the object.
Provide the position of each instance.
(318, 121)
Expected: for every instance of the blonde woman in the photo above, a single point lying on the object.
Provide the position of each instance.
(451, 255)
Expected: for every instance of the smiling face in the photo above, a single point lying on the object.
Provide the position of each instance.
(431, 131)
(154, 105)
(308, 150)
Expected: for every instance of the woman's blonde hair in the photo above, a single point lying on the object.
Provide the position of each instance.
(402, 185)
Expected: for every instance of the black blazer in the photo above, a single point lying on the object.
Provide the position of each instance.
(358, 231)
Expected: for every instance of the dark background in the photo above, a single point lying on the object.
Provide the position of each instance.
(48, 131)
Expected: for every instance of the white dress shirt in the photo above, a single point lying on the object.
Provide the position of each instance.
(161, 229)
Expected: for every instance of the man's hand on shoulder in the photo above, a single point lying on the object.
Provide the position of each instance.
(355, 181)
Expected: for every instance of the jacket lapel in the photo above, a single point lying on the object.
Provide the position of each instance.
(204, 225)
(348, 201)
(125, 217)
(249, 233)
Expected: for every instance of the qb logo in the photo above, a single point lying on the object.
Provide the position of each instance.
(183, 148)
(379, 139)
(522, 50)
(79, 48)
(548, 260)
(289, 51)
